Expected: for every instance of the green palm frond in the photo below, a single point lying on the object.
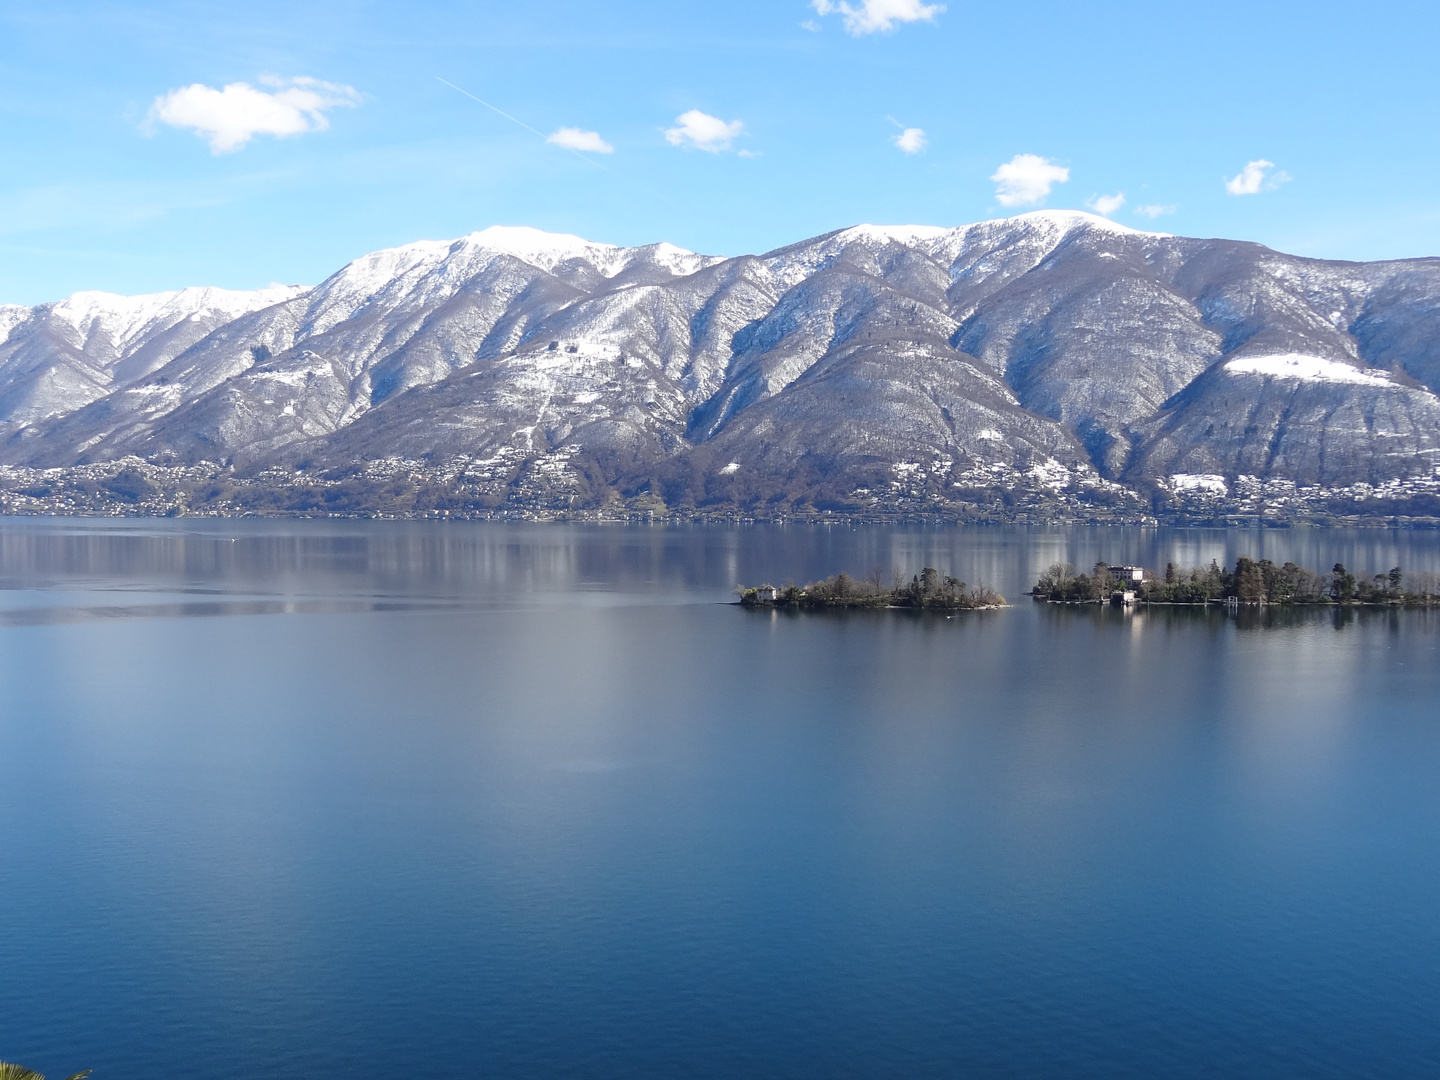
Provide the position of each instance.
(19, 1072)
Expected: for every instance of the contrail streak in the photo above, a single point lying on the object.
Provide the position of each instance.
(527, 127)
(628, 181)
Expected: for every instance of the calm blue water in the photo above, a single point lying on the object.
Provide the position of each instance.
(325, 800)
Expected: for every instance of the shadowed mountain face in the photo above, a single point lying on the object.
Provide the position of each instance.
(1054, 338)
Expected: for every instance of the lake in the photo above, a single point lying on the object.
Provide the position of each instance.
(325, 799)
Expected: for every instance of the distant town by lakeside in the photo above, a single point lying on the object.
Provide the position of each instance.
(1249, 582)
(562, 485)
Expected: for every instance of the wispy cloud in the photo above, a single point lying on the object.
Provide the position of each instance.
(1256, 177)
(703, 131)
(576, 139)
(870, 16)
(230, 117)
(1105, 205)
(1026, 179)
(912, 140)
(1153, 210)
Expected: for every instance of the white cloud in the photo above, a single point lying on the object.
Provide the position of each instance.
(749, 153)
(1026, 179)
(230, 117)
(871, 15)
(703, 131)
(576, 139)
(1255, 178)
(1105, 205)
(1153, 210)
(911, 140)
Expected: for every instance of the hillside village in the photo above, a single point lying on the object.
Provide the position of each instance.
(556, 486)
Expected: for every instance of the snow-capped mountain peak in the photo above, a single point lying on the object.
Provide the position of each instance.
(11, 316)
(897, 234)
(428, 269)
(56, 358)
(543, 249)
(122, 319)
(1068, 220)
(1055, 334)
(549, 251)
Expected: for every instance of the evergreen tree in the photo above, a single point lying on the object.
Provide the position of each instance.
(1100, 581)
(1249, 582)
(1213, 582)
(929, 578)
(1342, 587)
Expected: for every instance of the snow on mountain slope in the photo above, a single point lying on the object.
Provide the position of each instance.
(1053, 337)
(385, 322)
(119, 322)
(1300, 418)
(549, 251)
(106, 326)
(1307, 368)
(55, 358)
(11, 316)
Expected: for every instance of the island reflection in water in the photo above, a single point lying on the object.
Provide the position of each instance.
(531, 801)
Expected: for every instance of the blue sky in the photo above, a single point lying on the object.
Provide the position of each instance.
(109, 178)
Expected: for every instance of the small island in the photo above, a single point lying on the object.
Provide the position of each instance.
(1249, 582)
(925, 591)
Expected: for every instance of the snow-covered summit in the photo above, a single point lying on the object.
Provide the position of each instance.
(115, 324)
(549, 251)
(1055, 334)
(1068, 220)
(898, 234)
(11, 316)
(1038, 232)
(795, 262)
(1055, 222)
(56, 358)
(438, 266)
(427, 269)
(124, 318)
(543, 249)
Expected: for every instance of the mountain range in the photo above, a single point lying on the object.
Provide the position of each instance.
(1048, 344)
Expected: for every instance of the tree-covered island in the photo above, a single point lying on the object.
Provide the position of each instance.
(1248, 582)
(927, 590)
